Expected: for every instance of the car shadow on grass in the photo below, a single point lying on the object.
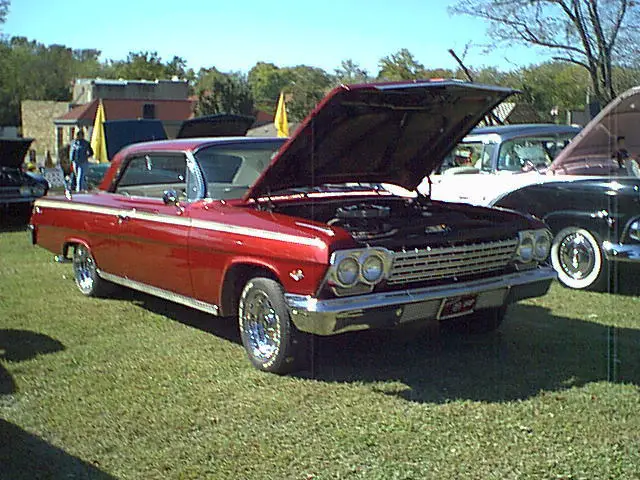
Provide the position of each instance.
(26, 456)
(21, 345)
(223, 327)
(532, 351)
(22, 454)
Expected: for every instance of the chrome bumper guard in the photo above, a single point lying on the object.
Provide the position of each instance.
(385, 309)
(621, 253)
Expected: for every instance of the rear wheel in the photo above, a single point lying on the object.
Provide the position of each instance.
(272, 342)
(86, 275)
(576, 254)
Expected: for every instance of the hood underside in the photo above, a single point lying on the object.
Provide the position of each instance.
(379, 133)
(13, 150)
(598, 140)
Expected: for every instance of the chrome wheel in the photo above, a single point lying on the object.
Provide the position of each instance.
(84, 269)
(272, 342)
(577, 257)
(261, 325)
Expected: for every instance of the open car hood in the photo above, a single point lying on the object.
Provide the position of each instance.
(219, 125)
(597, 140)
(13, 150)
(378, 133)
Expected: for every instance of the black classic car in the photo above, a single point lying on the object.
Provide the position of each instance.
(595, 221)
(18, 189)
(591, 197)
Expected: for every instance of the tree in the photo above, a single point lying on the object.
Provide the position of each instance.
(224, 93)
(400, 66)
(308, 86)
(350, 72)
(4, 10)
(138, 66)
(587, 33)
(266, 82)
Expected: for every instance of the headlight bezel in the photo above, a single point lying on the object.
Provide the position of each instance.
(361, 257)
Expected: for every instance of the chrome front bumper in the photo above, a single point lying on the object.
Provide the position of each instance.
(621, 252)
(361, 312)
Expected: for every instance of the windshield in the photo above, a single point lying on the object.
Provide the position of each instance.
(472, 154)
(523, 154)
(230, 169)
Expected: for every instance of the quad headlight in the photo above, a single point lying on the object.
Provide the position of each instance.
(359, 267)
(372, 268)
(347, 271)
(533, 245)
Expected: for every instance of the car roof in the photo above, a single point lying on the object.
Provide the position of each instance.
(190, 144)
(523, 129)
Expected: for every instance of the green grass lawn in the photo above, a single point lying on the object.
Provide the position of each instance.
(135, 387)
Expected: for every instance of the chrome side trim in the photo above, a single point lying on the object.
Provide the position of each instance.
(158, 292)
(182, 221)
(621, 252)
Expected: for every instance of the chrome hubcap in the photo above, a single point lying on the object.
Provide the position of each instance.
(261, 326)
(84, 269)
(577, 256)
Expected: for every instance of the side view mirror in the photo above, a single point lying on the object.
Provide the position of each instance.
(170, 197)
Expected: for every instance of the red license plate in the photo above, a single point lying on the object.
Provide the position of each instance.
(457, 306)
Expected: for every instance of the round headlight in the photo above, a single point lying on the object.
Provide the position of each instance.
(542, 246)
(372, 268)
(525, 250)
(348, 271)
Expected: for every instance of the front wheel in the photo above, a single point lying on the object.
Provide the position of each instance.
(272, 342)
(576, 255)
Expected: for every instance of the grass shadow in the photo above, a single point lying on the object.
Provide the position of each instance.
(532, 351)
(26, 456)
(223, 327)
(20, 345)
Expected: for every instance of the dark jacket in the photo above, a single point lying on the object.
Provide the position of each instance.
(80, 151)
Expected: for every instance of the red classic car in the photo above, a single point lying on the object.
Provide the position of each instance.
(320, 234)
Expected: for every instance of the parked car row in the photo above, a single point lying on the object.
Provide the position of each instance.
(18, 188)
(586, 188)
(336, 229)
(326, 236)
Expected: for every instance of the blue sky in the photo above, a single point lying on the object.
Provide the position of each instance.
(233, 35)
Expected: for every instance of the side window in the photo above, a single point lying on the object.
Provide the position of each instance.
(153, 174)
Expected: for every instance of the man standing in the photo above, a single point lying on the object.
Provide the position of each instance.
(79, 154)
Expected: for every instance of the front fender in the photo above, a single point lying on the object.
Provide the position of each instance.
(597, 222)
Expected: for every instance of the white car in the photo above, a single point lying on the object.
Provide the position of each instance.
(491, 161)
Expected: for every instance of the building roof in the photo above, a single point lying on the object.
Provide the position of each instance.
(125, 109)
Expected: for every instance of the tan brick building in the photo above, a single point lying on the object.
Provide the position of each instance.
(37, 123)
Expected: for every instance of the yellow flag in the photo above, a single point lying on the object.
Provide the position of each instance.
(280, 120)
(98, 142)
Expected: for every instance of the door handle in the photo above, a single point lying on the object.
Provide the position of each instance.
(123, 217)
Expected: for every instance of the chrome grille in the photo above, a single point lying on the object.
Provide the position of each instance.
(446, 262)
